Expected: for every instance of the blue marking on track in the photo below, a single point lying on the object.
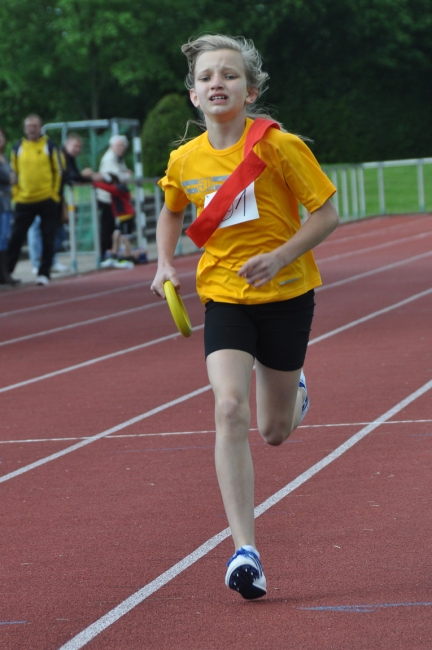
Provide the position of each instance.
(12, 622)
(362, 609)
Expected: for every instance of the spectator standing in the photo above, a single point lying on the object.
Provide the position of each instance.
(71, 174)
(36, 162)
(71, 150)
(112, 163)
(6, 178)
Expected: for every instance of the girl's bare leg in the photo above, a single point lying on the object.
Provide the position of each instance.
(127, 246)
(115, 242)
(230, 374)
(279, 403)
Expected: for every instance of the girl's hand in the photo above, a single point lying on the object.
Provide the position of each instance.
(260, 269)
(164, 273)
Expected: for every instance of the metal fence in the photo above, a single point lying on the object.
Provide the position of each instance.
(377, 188)
(84, 230)
(367, 189)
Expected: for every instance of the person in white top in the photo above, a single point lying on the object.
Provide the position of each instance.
(112, 164)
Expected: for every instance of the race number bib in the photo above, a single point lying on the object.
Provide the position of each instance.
(243, 208)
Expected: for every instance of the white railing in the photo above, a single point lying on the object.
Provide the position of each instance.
(77, 203)
(84, 227)
(363, 190)
(353, 200)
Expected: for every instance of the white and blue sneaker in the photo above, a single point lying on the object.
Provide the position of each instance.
(245, 574)
(306, 402)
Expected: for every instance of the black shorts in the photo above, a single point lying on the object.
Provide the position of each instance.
(126, 227)
(275, 333)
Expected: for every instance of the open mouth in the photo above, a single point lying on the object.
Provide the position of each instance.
(218, 97)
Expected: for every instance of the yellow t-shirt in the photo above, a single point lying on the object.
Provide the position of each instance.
(292, 176)
(39, 171)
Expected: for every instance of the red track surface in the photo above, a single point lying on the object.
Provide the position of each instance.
(346, 551)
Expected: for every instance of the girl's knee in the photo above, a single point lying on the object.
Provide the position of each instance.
(275, 434)
(232, 410)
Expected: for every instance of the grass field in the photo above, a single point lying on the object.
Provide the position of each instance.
(400, 190)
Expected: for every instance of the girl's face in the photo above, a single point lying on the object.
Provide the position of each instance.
(221, 91)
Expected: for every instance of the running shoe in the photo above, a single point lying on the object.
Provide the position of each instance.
(58, 267)
(42, 281)
(306, 402)
(245, 574)
(109, 263)
(123, 264)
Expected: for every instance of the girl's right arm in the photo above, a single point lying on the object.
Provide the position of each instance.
(168, 231)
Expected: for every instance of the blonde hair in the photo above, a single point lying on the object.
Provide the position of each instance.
(252, 61)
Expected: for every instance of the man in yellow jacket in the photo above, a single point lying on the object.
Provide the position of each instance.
(35, 159)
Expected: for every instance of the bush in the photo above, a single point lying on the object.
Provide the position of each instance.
(165, 123)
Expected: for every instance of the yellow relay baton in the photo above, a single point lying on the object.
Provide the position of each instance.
(177, 309)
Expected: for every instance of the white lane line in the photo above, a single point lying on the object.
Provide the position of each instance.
(163, 434)
(369, 249)
(67, 301)
(374, 314)
(112, 355)
(90, 296)
(352, 424)
(90, 632)
(389, 228)
(99, 319)
(103, 434)
(190, 295)
(127, 435)
(334, 241)
(121, 426)
(91, 362)
(380, 269)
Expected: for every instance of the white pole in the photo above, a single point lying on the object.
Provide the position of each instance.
(96, 231)
(157, 200)
(361, 190)
(138, 168)
(381, 190)
(140, 217)
(354, 193)
(345, 193)
(420, 185)
(335, 198)
(72, 233)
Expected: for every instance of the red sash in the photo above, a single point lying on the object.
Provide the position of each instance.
(248, 170)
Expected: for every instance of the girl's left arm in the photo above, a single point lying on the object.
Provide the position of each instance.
(260, 269)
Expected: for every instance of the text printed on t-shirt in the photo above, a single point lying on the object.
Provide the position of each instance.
(243, 208)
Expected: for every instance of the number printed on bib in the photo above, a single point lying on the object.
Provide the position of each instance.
(243, 208)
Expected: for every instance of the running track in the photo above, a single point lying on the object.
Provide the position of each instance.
(113, 535)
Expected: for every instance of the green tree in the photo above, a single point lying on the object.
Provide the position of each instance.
(78, 59)
(354, 75)
(165, 124)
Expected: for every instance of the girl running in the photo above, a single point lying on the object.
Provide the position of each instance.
(257, 274)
